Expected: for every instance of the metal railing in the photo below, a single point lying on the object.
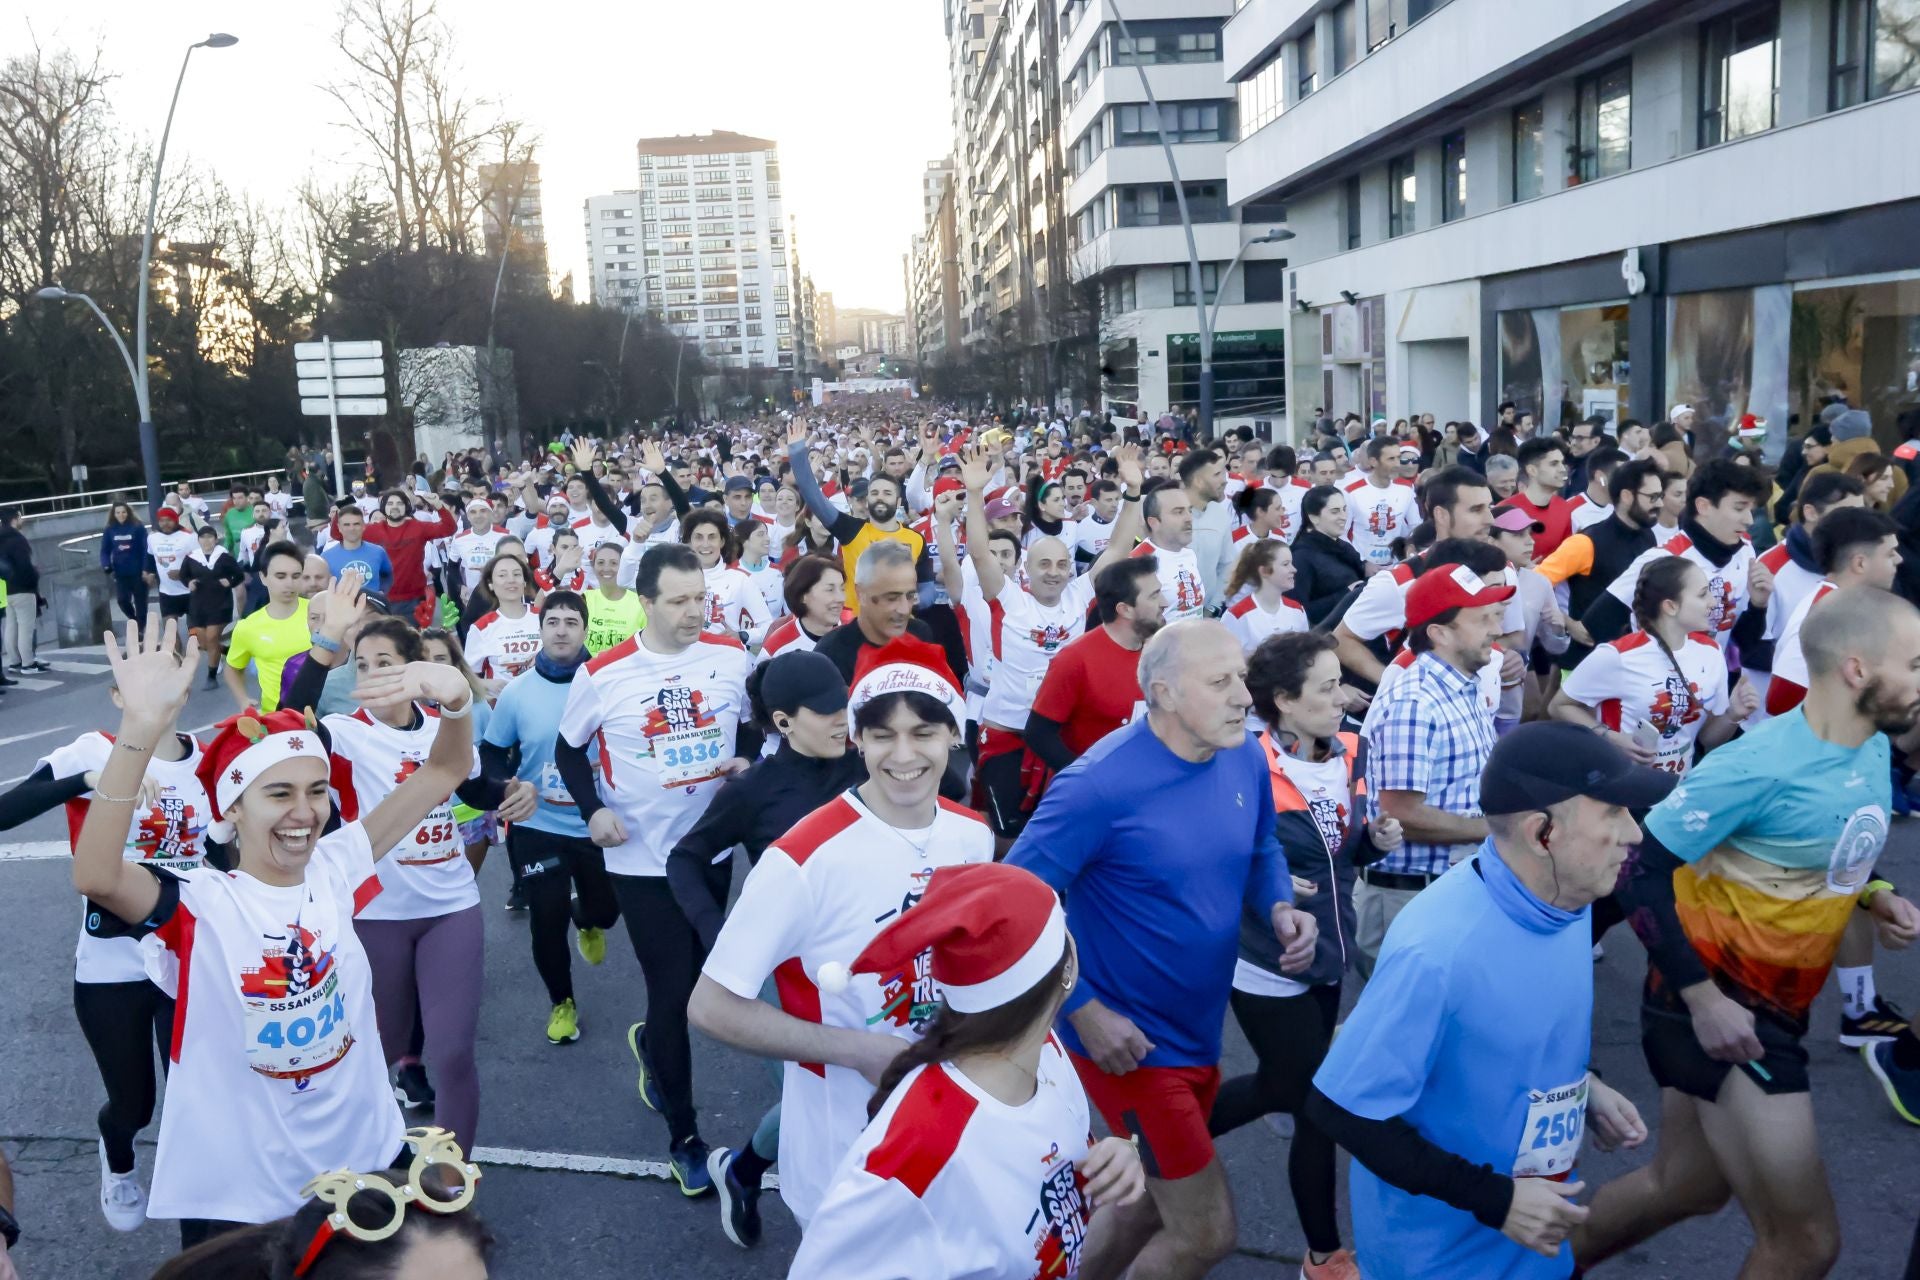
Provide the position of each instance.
(134, 494)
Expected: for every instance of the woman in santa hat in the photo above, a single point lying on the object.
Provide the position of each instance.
(979, 1161)
(278, 1071)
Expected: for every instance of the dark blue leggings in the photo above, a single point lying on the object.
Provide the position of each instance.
(131, 594)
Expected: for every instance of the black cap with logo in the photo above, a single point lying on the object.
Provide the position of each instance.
(1542, 763)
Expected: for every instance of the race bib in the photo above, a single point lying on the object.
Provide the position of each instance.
(1381, 555)
(687, 756)
(435, 840)
(1550, 1139)
(297, 1038)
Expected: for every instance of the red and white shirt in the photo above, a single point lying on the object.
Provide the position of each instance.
(1090, 538)
(1630, 682)
(821, 892)
(1790, 679)
(472, 550)
(168, 833)
(1029, 635)
(1585, 512)
(950, 1181)
(500, 647)
(1180, 581)
(1251, 624)
(278, 1072)
(595, 534)
(735, 605)
(1381, 607)
(1792, 584)
(427, 873)
(1727, 593)
(664, 723)
(1291, 491)
(574, 581)
(1376, 516)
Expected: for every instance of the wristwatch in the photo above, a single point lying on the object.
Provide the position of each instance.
(9, 1227)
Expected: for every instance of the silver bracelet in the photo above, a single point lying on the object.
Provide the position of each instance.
(461, 714)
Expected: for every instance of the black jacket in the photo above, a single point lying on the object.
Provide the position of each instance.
(1323, 569)
(16, 562)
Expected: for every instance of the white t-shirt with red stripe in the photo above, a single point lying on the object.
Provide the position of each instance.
(820, 893)
(1792, 584)
(1185, 591)
(278, 1073)
(1789, 660)
(500, 648)
(168, 833)
(1251, 624)
(471, 551)
(665, 723)
(735, 605)
(1031, 634)
(950, 1181)
(1376, 516)
(1585, 512)
(1727, 593)
(1630, 681)
(427, 873)
(1381, 607)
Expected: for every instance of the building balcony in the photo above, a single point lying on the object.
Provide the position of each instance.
(1125, 166)
(1172, 82)
(1154, 246)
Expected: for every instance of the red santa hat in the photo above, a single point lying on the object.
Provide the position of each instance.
(994, 931)
(247, 745)
(906, 664)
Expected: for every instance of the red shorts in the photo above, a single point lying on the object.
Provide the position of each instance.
(1167, 1107)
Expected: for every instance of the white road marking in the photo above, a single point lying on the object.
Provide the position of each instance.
(569, 1162)
(37, 733)
(30, 682)
(33, 851)
(81, 668)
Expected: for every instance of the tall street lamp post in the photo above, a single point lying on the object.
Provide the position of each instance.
(1213, 324)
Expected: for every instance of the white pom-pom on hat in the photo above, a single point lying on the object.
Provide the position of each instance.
(833, 977)
(221, 831)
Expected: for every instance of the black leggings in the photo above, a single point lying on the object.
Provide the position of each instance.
(124, 1023)
(1289, 1035)
(551, 869)
(670, 957)
(132, 596)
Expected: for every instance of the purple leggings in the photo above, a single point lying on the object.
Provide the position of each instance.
(433, 965)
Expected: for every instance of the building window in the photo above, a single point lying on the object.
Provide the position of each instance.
(1351, 200)
(1133, 125)
(1453, 176)
(1876, 49)
(1170, 41)
(1155, 205)
(1389, 18)
(1341, 33)
(1529, 149)
(1604, 143)
(1403, 203)
(1740, 74)
(1309, 60)
(1117, 295)
(1262, 94)
(1183, 283)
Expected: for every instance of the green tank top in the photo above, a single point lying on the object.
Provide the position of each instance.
(611, 621)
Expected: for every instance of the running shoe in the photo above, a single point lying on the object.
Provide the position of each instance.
(649, 1091)
(410, 1087)
(592, 944)
(739, 1205)
(37, 665)
(563, 1024)
(1882, 1022)
(516, 898)
(688, 1161)
(1340, 1265)
(123, 1202)
(213, 680)
(1902, 1085)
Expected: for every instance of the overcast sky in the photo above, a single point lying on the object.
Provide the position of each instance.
(854, 92)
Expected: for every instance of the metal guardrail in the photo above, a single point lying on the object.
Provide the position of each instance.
(133, 494)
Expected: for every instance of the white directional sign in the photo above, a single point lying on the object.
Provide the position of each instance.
(341, 350)
(344, 386)
(341, 368)
(345, 408)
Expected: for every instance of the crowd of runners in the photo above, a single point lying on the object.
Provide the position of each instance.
(973, 770)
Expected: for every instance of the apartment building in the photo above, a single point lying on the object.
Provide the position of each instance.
(512, 206)
(1123, 229)
(614, 274)
(1591, 206)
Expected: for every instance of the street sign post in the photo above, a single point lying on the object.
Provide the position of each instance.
(341, 378)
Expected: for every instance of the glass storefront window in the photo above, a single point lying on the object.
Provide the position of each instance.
(1249, 371)
(1562, 364)
(1861, 341)
(1727, 355)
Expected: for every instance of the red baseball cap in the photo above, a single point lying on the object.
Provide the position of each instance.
(1452, 586)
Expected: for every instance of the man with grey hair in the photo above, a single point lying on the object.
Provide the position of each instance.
(1503, 475)
(1153, 897)
(885, 582)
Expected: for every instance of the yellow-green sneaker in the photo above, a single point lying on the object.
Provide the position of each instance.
(592, 944)
(563, 1024)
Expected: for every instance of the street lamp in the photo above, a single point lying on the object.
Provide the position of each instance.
(149, 439)
(1274, 236)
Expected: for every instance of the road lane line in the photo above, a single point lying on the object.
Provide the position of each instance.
(37, 733)
(33, 851)
(570, 1162)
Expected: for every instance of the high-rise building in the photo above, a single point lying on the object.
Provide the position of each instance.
(711, 236)
(1590, 206)
(1124, 220)
(512, 199)
(933, 281)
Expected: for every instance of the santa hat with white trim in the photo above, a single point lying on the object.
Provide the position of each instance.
(906, 664)
(245, 746)
(995, 932)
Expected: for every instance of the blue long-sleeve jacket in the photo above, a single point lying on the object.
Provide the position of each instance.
(123, 549)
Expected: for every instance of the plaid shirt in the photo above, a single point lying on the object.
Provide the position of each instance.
(1432, 735)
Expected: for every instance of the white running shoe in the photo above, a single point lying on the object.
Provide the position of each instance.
(123, 1202)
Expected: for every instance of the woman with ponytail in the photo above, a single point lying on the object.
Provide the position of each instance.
(983, 1118)
(1046, 514)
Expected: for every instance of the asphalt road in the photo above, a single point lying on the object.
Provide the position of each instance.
(597, 1208)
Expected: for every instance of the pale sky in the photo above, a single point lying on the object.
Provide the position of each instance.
(853, 91)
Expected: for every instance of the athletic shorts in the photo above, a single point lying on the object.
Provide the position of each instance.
(477, 830)
(174, 606)
(1004, 791)
(1166, 1107)
(216, 612)
(1677, 1061)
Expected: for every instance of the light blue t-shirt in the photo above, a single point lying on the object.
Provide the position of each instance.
(376, 571)
(527, 715)
(1475, 1029)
